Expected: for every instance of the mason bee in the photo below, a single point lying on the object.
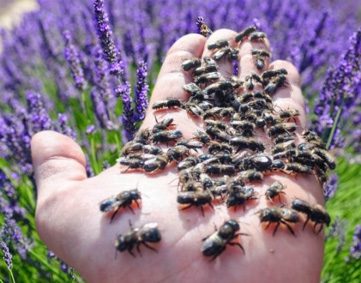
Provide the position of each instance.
(148, 233)
(121, 200)
(169, 103)
(167, 136)
(190, 64)
(280, 216)
(214, 244)
(198, 198)
(257, 36)
(275, 190)
(159, 162)
(239, 196)
(315, 213)
(218, 44)
(245, 33)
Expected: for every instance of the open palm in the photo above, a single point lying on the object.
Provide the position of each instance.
(70, 223)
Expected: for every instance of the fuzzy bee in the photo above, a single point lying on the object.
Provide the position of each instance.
(121, 200)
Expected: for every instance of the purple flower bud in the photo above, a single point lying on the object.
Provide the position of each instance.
(6, 254)
(72, 57)
(355, 251)
(141, 92)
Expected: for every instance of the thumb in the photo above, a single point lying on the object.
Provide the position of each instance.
(57, 160)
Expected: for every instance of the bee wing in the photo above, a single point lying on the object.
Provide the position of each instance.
(109, 204)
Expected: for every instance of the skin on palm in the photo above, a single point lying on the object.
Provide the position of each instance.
(70, 223)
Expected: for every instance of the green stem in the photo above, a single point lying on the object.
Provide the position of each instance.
(11, 276)
(43, 262)
(334, 126)
(93, 155)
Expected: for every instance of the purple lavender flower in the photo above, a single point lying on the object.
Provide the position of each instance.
(339, 94)
(141, 92)
(105, 35)
(355, 251)
(6, 254)
(127, 121)
(72, 57)
(330, 187)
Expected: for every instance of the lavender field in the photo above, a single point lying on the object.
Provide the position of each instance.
(87, 68)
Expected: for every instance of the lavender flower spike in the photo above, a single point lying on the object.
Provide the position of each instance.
(72, 57)
(355, 250)
(141, 92)
(7, 255)
(105, 36)
(330, 187)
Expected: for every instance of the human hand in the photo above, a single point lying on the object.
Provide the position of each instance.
(71, 225)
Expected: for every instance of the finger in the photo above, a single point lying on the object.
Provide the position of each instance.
(247, 64)
(172, 77)
(225, 65)
(57, 159)
(290, 95)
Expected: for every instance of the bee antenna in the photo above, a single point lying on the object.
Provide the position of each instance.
(155, 117)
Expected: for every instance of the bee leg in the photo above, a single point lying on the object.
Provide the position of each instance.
(137, 203)
(269, 223)
(205, 238)
(138, 248)
(320, 229)
(131, 252)
(275, 230)
(131, 209)
(289, 228)
(150, 247)
(186, 207)
(304, 225)
(202, 210)
(239, 245)
(114, 214)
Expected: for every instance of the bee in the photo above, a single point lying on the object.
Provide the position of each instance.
(268, 75)
(259, 162)
(249, 176)
(282, 128)
(245, 33)
(209, 68)
(246, 143)
(275, 84)
(220, 86)
(143, 136)
(245, 126)
(239, 196)
(193, 109)
(313, 138)
(288, 114)
(163, 125)
(218, 44)
(167, 136)
(148, 233)
(121, 200)
(190, 64)
(218, 113)
(326, 156)
(132, 162)
(275, 190)
(220, 169)
(215, 147)
(214, 244)
(280, 216)
(192, 186)
(260, 55)
(297, 167)
(177, 153)
(218, 134)
(151, 149)
(202, 137)
(170, 103)
(315, 213)
(132, 147)
(190, 144)
(283, 138)
(280, 147)
(203, 28)
(157, 163)
(250, 81)
(198, 198)
(277, 164)
(188, 163)
(207, 78)
(257, 36)
(192, 89)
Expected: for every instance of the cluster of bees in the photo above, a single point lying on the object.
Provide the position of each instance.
(220, 163)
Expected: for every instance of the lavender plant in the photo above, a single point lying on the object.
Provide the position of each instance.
(86, 70)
